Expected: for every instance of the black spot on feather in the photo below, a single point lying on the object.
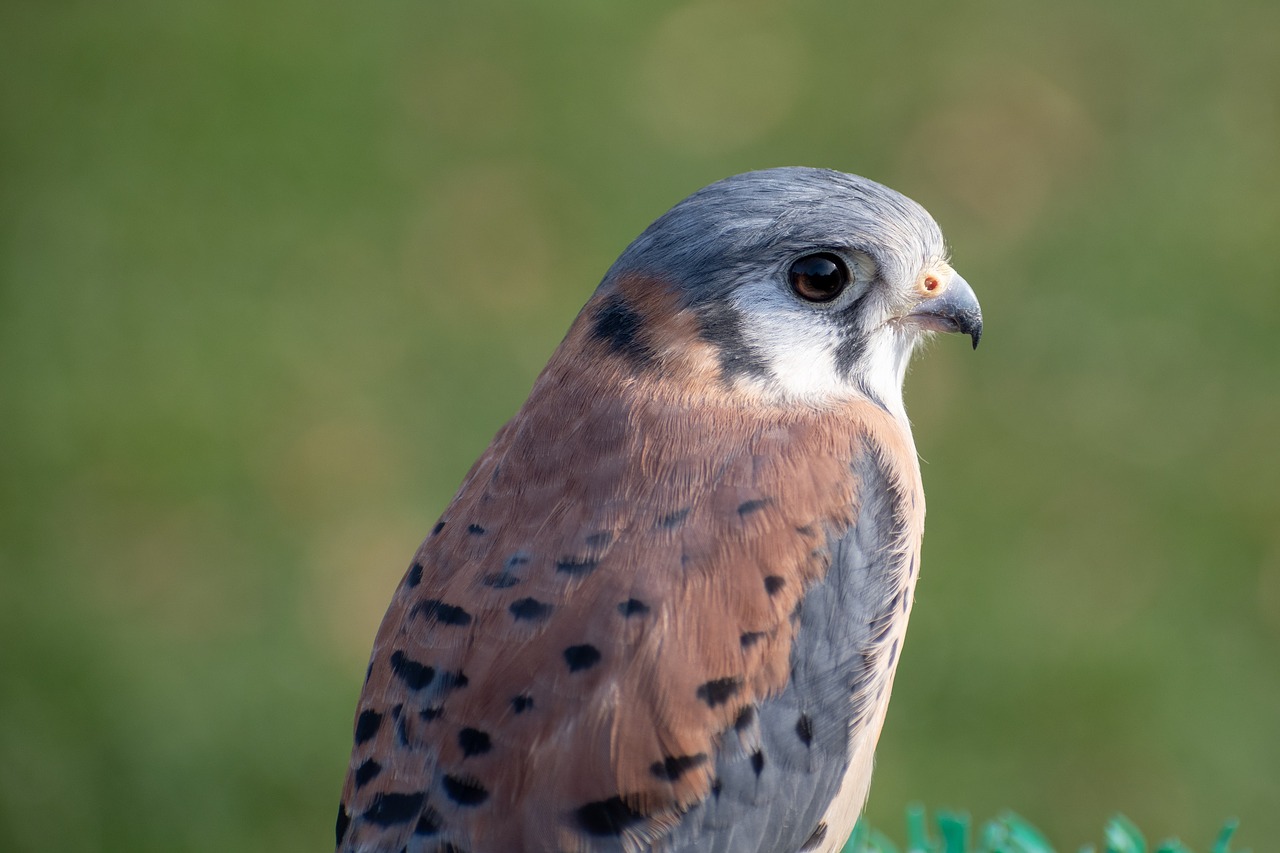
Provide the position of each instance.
(415, 675)
(367, 772)
(774, 583)
(367, 725)
(474, 742)
(391, 809)
(748, 507)
(464, 790)
(607, 817)
(673, 767)
(674, 519)
(429, 823)
(415, 575)
(445, 614)
(344, 821)
(530, 609)
(581, 657)
(719, 691)
(455, 679)
(576, 565)
(804, 729)
(633, 607)
(600, 539)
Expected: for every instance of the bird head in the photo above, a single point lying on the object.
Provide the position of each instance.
(808, 284)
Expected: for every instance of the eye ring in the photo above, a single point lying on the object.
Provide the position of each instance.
(819, 277)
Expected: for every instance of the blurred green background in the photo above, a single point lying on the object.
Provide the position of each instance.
(272, 274)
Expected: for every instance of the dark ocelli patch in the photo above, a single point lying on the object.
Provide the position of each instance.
(367, 725)
(673, 767)
(715, 787)
(344, 822)
(757, 762)
(773, 584)
(576, 565)
(397, 710)
(435, 531)
(622, 331)
(445, 614)
(500, 580)
(429, 823)
(745, 718)
(391, 809)
(805, 530)
(415, 675)
(474, 742)
(431, 713)
(893, 652)
(750, 638)
(719, 690)
(415, 575)
(633, 607)
(804, 729)
(674, 519)
(476, 530)
(581, 657)
(748, 507)
(607, 817)
(530, 609)
(521, 703)
(815, 838)
(367, 772)
(464, 790)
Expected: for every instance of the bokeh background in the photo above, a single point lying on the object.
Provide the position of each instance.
(272, 274)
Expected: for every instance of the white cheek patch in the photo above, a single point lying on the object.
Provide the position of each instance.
(882, 368)
(799, 352)
(799, 347)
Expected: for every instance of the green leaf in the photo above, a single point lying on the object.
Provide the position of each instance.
(1123, 837)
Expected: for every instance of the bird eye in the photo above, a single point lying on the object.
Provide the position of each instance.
(818, 278)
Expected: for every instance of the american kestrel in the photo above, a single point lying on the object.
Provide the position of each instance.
(664, 609)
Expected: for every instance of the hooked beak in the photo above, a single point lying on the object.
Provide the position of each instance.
(956, 309)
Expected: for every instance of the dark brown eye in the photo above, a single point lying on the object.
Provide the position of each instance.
(818, 278)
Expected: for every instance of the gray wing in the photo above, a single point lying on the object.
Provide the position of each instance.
(785, 760)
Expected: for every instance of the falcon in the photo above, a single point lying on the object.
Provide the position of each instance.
(664, 610)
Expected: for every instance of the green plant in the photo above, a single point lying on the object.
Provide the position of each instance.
(1009, 833)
